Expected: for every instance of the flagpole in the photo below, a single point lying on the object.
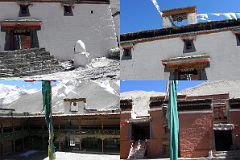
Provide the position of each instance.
(47, 96)
(50, 137)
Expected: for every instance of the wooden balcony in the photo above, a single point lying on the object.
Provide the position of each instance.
(105, 133)
(13, 135)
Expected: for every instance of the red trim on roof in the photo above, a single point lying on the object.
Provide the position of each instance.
(184, 63)
(23, 25)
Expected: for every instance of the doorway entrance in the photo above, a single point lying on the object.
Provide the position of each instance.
(21, 40)
(140, 131)
(20, 34)
(223, 140)
(189, 74)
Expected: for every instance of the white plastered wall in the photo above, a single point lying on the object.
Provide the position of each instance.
(59, 33)
(146, 62)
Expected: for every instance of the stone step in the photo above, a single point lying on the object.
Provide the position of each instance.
(43, 53)
(6, 71)
(227, 154)
(27, 62)
(27, 56)
(138, 149)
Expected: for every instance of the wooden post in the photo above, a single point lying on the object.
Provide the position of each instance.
(1, 128)
(12, 126)
(23, 144)
(59, 146)
(1, 152)
(13, 143)
(80, 144)
(1, 145)
(32, 142)
(102, 145)
(42, 142)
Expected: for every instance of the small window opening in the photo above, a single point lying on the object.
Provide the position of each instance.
(127, 54)
(238, 38)
(74, 107)
(24, 11)
(68, 11)
(189, 46)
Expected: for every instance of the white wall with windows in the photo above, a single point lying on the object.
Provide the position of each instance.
(91, 23)
(146, 57)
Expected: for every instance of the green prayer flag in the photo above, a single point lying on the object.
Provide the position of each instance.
(47, 96)
(173, 121)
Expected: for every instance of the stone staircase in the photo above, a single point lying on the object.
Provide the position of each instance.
(229, 155)
(27, 62)
(137, 150)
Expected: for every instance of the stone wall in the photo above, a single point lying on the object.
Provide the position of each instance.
(27, 62)
(125, 135)
(196, 134)
(234, 119)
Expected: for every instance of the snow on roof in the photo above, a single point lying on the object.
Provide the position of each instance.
(215, 87)
(141, 101)
(141, 98)
(97, 97)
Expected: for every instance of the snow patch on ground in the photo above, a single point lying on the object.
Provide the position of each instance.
(107, 86)
(82, 156)
(100, 62)
(40, 155)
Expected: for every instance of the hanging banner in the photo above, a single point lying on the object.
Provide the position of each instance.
(173, 121)
(47, 96)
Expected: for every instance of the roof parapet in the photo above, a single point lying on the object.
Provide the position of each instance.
(179, 14)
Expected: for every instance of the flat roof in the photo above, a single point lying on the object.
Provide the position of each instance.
(177, 31)
(63, 1)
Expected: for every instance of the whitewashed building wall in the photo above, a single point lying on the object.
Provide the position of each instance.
(146, 62)
(59, 33)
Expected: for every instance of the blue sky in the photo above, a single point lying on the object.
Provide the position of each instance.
(23, 84)
(137, 15)
(153, 85)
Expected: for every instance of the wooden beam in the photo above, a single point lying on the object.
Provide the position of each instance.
(102, 146)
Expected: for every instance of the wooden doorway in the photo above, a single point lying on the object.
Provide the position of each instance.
(21, 39)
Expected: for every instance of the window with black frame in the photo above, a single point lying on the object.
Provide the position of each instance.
(68, 10)
(24, 10)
